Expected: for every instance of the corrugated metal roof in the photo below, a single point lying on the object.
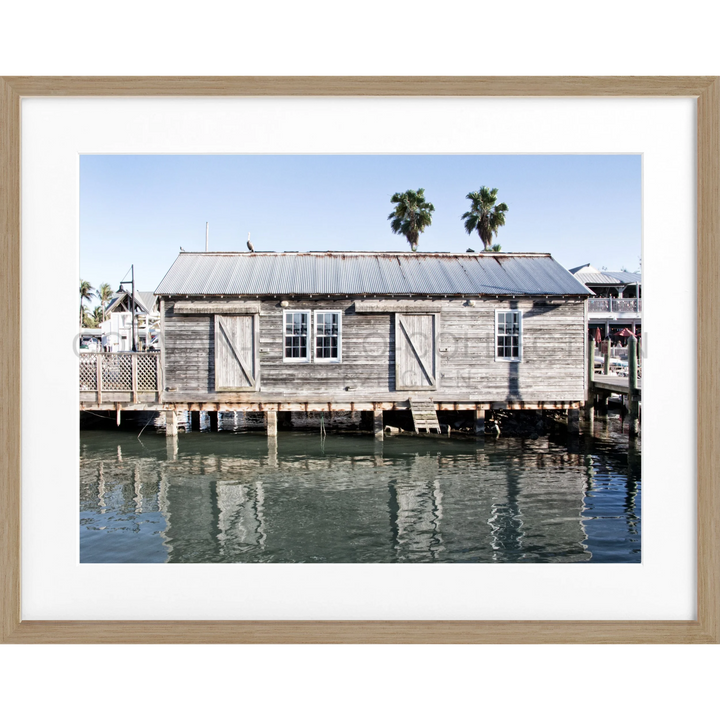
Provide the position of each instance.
(625, 277)
(365, 273)
(607, 278)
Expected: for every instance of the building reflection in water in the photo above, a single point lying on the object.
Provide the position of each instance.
(205, 498)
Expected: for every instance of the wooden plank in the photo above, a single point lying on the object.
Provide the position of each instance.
(396, 306)
(200, 307)
(360, 86)
(236, 353)
(423, 327)
(235, 350)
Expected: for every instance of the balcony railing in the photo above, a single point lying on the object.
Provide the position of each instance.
(615, 305)
(121, 372)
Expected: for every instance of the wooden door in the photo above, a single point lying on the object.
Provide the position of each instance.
(416, 352)
(236, 352)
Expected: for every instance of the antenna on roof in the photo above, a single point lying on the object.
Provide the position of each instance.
(207, 235)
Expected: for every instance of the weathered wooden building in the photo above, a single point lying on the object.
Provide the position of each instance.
(371, 331)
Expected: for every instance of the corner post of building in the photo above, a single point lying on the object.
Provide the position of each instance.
(171, 423)
(378, 427)
(271, 422)
(633, 397)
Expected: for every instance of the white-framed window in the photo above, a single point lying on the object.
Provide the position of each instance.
(508, 335)
(328, 336)
(296, 335)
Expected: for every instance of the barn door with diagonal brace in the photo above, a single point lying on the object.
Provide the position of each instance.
(236, 352)
(416, 352)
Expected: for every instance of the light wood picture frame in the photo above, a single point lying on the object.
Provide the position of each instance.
(705, 629)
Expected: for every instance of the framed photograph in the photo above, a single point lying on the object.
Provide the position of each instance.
(368, 360)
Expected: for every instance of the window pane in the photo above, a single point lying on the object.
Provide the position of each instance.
(508, 334)
(296, 330)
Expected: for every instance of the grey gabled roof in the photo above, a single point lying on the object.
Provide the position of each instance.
(368, 273)
(589, 275)
(145, 300)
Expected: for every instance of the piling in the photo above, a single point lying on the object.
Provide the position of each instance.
(606, 360)
(171, 423)
(378, 427)
(479, 423)
(271, 422)
(589, 395)
(633, 397)
(573, 416)
(171, 447)
(601, 404)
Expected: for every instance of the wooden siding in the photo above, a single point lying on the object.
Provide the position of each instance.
(552, 369)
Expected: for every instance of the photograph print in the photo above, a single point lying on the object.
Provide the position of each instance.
(360, 358)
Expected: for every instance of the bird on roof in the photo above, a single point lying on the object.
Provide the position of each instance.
(469, 250)
(182, 249)
(250, 246)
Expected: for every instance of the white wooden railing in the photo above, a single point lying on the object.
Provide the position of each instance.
(119, 372)
(615, 305)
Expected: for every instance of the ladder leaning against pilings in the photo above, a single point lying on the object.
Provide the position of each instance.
(424, 416)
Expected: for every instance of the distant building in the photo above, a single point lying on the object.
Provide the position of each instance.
(617, 303)
(117, 328)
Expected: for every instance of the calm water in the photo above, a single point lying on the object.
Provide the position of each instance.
(224, 497)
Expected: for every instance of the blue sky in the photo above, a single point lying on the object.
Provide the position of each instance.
(141, 208)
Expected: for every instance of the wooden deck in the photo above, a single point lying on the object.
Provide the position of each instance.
(615, 384)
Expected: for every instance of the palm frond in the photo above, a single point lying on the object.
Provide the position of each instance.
(411, 216)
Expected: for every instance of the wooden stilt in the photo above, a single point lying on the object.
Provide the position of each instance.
(117, 414)
(601, 407)
(589, 395)
(480, 423)
(573, 421)
(378, 427)
(633, 397)
(271, 422)
(171, 423)
(171, 446)
(272, 451)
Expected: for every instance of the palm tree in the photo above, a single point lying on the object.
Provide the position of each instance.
(90, 320)
(104, 293)
(484, 215)
(87, 292)
(411, 216)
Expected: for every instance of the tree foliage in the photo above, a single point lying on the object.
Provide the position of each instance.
(485, 216)
(87, 293)
(412, 214)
